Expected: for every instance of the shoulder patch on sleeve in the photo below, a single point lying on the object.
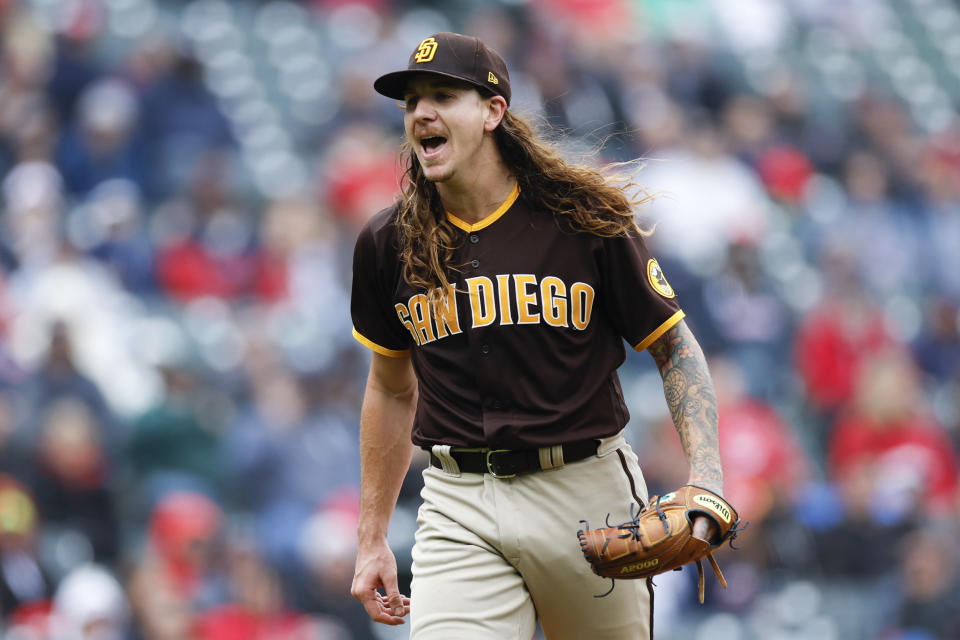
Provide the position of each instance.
(657, 280)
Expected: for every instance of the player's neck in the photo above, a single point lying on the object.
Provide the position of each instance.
(478, 194)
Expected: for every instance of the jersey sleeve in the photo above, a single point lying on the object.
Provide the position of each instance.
(637, 296)
(375, 322)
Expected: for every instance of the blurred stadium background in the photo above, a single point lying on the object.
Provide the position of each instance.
(182, 182)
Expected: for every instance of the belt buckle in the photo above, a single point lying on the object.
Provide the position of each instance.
(490, 467)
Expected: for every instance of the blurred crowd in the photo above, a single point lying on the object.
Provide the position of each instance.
(182, 182)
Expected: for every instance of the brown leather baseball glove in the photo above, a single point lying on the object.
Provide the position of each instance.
(660, 537)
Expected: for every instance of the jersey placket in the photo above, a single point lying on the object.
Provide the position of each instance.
(481, 339)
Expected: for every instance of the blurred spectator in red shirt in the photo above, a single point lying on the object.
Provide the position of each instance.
(180, 570)
(834, 338)
(361, 174)
(785, 172)
(208, 243)
(887, 430)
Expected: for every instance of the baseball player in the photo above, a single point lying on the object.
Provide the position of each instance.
(496, 296)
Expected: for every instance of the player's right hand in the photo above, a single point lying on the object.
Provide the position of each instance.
(377, 569)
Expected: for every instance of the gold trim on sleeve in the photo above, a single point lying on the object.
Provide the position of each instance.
(373, 346)
(659, 331)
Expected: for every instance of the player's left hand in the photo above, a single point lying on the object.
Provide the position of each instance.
(704, 528)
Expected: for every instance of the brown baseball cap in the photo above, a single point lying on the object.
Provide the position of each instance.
(455, 56)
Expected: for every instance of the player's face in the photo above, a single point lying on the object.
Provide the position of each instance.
(445, 122)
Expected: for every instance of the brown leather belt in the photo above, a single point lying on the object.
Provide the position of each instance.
(507, 463)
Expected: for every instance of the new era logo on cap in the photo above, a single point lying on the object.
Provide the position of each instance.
(455, 56)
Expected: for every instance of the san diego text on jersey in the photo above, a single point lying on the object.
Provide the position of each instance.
(519, 298)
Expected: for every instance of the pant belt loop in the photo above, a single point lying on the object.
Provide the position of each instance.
(551, 457)
(447, 463)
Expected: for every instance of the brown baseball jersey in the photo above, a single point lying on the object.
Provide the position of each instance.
(524, 348)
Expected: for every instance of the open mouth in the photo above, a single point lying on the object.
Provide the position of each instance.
(431, 146)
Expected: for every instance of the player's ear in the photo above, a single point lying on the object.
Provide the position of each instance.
(495, 107)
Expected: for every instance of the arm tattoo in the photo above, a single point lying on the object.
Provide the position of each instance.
(693, 404)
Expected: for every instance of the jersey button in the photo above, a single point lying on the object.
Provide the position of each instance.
(474, 238)
(475, 264)
(497, 404)
(484, 349)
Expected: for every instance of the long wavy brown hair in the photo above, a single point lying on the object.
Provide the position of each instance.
(583, 199)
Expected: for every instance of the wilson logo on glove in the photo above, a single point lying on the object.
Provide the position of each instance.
(714, 505)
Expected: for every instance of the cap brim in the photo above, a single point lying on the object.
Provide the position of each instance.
(394, 85)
